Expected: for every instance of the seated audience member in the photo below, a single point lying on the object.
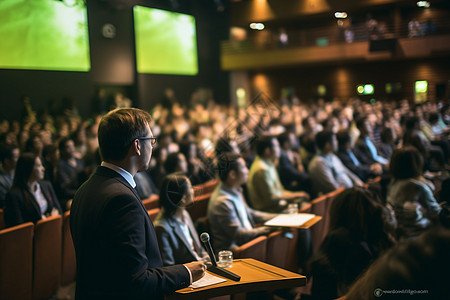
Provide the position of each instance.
(358, 235)
(326, 170)
(50, 160)
(175, 163)
(157, 172)
(265, 190)
(34, 144)
(409, 194)
(417, 268)
(307, 148)
(144, 185)
(440, 134)
(226, 144)
(387, 144)
(9, 154)
(30, 198)
(352, 159)
(196, 170)
(365, 145)
(433, 155)
(290, 168)
(70, 174)
(232, 222)
(177, 238)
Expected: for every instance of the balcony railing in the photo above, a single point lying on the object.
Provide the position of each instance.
(335, 35)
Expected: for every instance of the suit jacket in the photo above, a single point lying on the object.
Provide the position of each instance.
(362, 170)
(115, 243)
(68, 180)
(173, 244)
(22, 207)
(226, 221)
(291, 178)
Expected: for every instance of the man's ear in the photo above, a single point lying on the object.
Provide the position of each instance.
(232, 174)
(136, 147)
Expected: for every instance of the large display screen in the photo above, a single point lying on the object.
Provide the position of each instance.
(166, 42)
(43, 35)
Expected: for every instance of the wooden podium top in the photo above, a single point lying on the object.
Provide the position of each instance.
(255, 276)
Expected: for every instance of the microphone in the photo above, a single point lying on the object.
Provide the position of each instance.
(204, 237)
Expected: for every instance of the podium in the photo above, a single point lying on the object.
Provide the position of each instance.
(255, 276)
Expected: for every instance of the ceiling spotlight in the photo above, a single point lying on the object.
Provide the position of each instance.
(340, 15)
(257, 26)
(425, 4)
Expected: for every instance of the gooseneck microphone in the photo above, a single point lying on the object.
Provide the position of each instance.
(204, 237)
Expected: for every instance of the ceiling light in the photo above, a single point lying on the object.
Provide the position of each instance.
(340, 15)
(423, 4)
(257, 26)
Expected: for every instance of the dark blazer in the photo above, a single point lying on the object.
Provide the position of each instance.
(22, 207)
(173, 245)
(115, 243)
(362, 170)
(68, 180)
(291, 178)
(364, 150)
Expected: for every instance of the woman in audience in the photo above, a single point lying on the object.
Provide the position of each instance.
(410, 195)
(413, 270)
(177, 238)
(358, 234)
(31, 198)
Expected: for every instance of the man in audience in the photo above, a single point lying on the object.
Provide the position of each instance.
(326, 170)
(232, 222)
(115, 243)
(70, 174)
(265, 190)
(9, 154)
(175, 163)
(352, 159)
(365, 145)
(290, 168)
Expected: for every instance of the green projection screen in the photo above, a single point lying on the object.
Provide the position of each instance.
(166, 42)
(43, 35)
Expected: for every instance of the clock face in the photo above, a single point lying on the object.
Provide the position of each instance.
(109, 31)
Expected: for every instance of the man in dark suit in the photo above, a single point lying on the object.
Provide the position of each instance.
(353, 160)
(115, 243)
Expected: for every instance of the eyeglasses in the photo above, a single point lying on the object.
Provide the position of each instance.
(152, 139)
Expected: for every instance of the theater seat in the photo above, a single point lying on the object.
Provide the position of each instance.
(198, 207)
(47, 257)
(278, 246)
(256, 249)
(2, 219)
(16, 253)
(205, 188)
(151, 202)
(153, 213)
(68, 262)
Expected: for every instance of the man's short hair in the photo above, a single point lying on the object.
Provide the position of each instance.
(322, 138)
(118, 129)
(7, 151)
(360, 122)
(264, 142)
(227, 162)
(343, 137)
(172, 162)
(63, 142)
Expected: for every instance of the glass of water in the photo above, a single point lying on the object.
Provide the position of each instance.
(292, 208)
(225, 259)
